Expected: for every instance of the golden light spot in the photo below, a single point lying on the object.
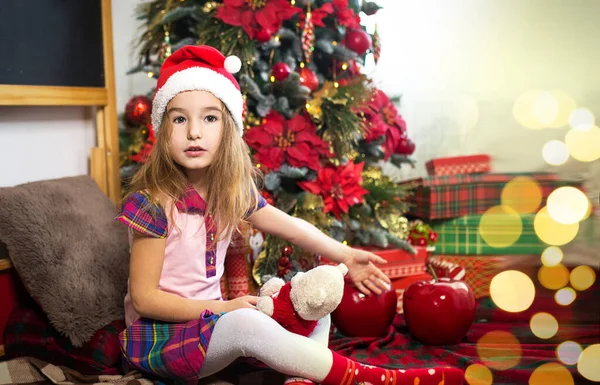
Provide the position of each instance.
(477, 374)
(499, 350)
(552, 256)
(566, 106)
(568, 352)
(543, 325)
(336, 84)
(555, 152)
(345, 66)
(545, 108)
(568, 205)
(582, 277)
(582, 119)
(500, 226)
(150, 74)
(551, 373)
(522, 194)
(552, 232)
(565, 296)
(523, 110)
(512, 291)
(588, 363)
(583, 145)
(553, 277)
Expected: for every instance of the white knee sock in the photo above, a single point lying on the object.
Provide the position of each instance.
(250, 333)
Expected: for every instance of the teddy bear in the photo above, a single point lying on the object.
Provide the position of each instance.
(299, 304)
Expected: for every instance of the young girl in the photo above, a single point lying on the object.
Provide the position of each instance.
(196, 187)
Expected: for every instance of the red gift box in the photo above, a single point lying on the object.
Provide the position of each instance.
(456, 165)
(453, 196)
(400, 263)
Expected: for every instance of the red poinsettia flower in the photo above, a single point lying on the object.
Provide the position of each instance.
(340, 187)
(345, 15)
(317, 15)
(257, 17)
(383, 118)
(294, 141)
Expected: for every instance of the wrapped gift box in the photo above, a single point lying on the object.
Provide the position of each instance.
(400, 263)
(452, 196)
(458, 165)
(479, 269)
(460, 236)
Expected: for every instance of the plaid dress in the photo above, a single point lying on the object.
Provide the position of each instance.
(164, 349)
(168, 350)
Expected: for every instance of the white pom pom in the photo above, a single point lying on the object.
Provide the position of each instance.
(232, 64)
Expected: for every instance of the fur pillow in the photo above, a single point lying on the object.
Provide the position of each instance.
(69, 252)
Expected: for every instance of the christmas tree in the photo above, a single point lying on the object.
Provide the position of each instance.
(317, 127)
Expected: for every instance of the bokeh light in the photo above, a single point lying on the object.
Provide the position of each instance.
(551, 231)
(545, 108)
(582, 119)
(543, 325)
(588, 365)
(582, 277)
(499, 350)
(568, 352)
(523, 110)
(500, 226)
(555, 152)
(551, 374)
(477, 374)
(566, 106)
(565, 296)
(512, 291)
(583, 145)
(552, 256)
(568, 205)
(522, 194)
(553, 277)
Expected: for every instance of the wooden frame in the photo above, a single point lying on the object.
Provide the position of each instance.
(104, 158)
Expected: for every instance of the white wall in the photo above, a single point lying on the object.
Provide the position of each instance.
(460, 65)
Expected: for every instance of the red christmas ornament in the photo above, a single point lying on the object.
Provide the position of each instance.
(422, 242)
(433, 236)
(138, 110)
(281, 71)
(308, 78)
(308, 37)
(365, 316)
(439, 312)
(358, 41)
(405, 146)
(263, 36)
(286, 251)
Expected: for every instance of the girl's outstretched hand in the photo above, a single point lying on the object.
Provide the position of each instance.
(364, 274)
(244, 302)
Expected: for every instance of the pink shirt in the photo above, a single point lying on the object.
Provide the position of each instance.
(188, 269)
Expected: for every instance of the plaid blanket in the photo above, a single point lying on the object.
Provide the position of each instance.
(515, 358)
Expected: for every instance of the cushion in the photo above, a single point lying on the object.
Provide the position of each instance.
(70, 254)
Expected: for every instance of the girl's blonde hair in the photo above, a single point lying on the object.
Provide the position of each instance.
(232, 180)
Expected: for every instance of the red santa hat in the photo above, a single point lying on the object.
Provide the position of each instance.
(204, 68)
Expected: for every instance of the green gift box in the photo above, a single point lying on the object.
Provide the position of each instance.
(461, 236)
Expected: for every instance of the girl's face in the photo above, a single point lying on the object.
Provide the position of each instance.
(196, 122)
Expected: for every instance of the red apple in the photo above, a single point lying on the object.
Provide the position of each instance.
(359, 315)
(439, 312)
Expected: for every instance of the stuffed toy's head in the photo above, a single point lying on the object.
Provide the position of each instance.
(308, 297)
(318, 292)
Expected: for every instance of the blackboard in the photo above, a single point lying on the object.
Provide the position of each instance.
(51, 43)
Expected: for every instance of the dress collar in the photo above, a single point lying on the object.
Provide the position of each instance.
(191, 201)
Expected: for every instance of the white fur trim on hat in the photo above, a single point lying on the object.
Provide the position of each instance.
(199, 79)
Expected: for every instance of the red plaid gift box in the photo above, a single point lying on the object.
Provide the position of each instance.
(479, 270)
(400, 263)
(456, 165)
(452, 196)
